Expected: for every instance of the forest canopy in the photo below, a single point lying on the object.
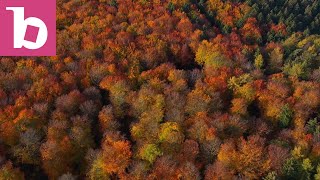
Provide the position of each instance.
(167, 89)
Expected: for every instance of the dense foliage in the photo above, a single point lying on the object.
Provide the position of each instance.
(158, 89)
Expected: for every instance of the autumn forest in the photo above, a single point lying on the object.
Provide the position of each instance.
(167, 90)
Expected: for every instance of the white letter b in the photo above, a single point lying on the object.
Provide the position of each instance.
(20, 27)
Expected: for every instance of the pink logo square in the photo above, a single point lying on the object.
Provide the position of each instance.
(31, 34)
(27, 27)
